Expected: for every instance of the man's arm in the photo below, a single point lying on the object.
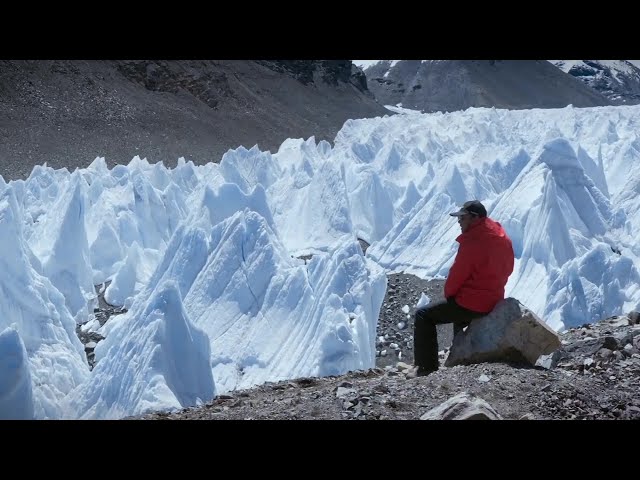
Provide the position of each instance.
(460, 270)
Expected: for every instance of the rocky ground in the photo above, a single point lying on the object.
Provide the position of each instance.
(595, 375)
(396, 322)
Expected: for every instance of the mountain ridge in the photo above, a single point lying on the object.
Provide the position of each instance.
(449, 85)
(618, 80)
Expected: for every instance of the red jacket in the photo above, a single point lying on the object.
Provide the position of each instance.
(481, 268)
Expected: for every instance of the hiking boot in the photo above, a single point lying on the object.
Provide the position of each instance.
(420, 372)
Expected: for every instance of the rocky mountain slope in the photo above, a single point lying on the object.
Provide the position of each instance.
(618, 80)
(67, 113)
(449, 85)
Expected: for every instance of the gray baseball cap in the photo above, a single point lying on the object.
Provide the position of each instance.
(472, 207)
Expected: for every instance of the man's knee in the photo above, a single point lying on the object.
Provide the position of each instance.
(419, 317)
(424, 315)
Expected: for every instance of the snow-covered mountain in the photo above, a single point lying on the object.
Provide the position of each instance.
(618, 80)
(450, 85)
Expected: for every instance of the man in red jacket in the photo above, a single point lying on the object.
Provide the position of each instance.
(474, 286)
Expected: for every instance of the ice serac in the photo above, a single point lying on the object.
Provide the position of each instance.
(628, 200)
(312, 218)
(32, 307)
(16, 395)
(370, 206)
(431, 241)
(593, 170)
(548, 236)
(153, 359)
(229, 198)
(248, 168)
(270, 317)
(105, 253)
(350, 290)
(597, 285)
(588, 202)
(559, 233)
(149, 210)
(123, 284)
(410, 198)
(61, 245)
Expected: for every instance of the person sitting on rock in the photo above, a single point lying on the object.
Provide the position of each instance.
(474, 286)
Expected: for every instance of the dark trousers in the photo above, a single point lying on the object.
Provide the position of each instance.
(425, 337)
